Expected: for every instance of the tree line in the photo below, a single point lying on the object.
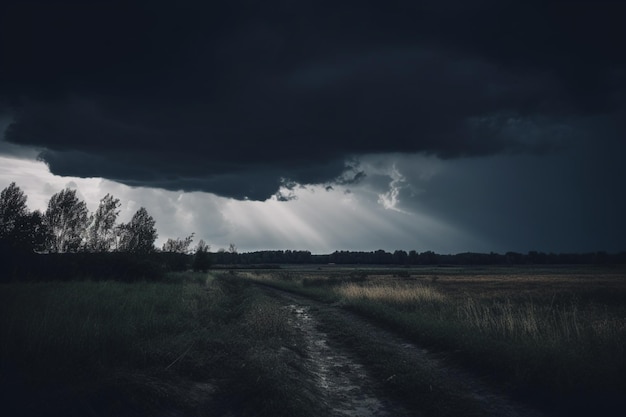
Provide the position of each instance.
(401, 257)
(67, 227)
(414, 258)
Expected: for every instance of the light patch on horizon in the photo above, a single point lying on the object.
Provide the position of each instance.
(324, 221)
(271, 224)
(317, 220)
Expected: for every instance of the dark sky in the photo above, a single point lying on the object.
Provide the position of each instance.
(522, 103)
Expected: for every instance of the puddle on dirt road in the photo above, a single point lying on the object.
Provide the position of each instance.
(344, 385)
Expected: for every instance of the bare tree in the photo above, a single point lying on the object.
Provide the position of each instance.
(232, 248)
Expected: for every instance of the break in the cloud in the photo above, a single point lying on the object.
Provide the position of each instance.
(238, 98)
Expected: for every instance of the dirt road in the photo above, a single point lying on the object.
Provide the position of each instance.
(346, 387)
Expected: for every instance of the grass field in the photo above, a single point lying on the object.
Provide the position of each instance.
(555, 336)
(214, 344)
(198, 345)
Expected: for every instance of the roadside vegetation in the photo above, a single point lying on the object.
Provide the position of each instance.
(196, 344)
(553, 338)
(193, 343)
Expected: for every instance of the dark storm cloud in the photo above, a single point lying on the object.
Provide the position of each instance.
(238, 97)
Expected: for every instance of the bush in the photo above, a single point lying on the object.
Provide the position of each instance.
(201, 261)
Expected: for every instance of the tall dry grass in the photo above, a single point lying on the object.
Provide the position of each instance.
(535, 343)
(506, 319)
(527, 320)
(392, 293)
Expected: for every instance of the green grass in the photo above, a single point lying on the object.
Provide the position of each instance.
(84, 338)
(196, 344)
(106, 320)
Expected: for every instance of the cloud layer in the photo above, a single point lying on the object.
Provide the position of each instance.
(239, 98)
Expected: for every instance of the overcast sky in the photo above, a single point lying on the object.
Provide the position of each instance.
(445, 125)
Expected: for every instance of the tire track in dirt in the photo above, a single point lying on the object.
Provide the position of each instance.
(345, 386)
